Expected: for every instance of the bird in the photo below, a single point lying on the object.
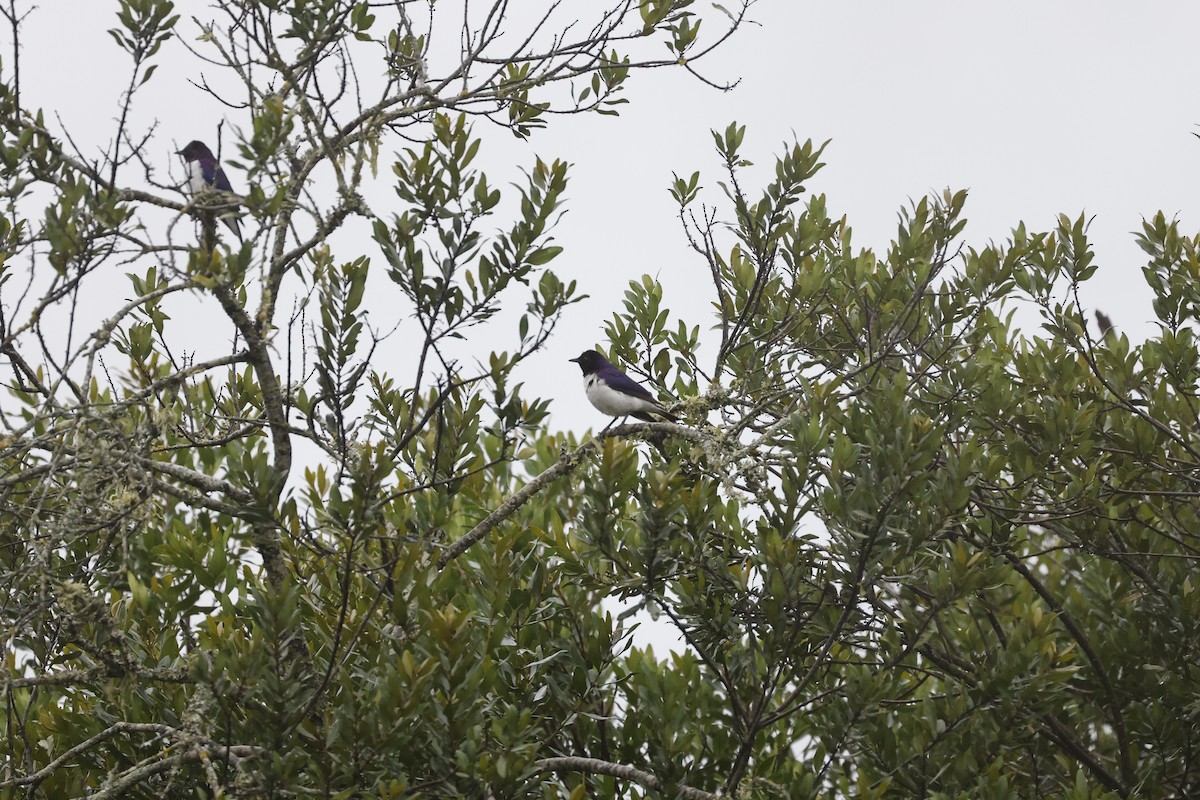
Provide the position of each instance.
(614, 393)
(203, 172)
(1105, 322)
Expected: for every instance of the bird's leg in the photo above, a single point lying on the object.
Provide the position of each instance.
(613, 421)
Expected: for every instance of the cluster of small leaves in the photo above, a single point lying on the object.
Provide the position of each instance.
(145, 26)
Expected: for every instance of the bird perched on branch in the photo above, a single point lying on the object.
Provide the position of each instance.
(203, 173)
(614, 393)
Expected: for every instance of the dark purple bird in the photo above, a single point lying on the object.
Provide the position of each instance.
(203, 172)
(614, 393)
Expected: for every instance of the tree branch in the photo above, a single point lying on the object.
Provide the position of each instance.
(595, 766)
(566, 463)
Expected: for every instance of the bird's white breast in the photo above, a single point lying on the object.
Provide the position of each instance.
(195, 177)
(610, 401)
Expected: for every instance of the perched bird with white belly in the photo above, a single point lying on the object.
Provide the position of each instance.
(204, 173)
(614, 393)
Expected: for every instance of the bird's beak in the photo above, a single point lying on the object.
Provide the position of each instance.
(576, 360)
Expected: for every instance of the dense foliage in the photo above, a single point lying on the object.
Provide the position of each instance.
(910, 550)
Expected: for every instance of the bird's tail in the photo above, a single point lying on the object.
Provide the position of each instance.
(231, 221)
(657, 414)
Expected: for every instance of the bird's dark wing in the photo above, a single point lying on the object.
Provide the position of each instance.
(622, 383)
(219, 180)
(208, 170)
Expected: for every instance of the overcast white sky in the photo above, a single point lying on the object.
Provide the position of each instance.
(1037, 108)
